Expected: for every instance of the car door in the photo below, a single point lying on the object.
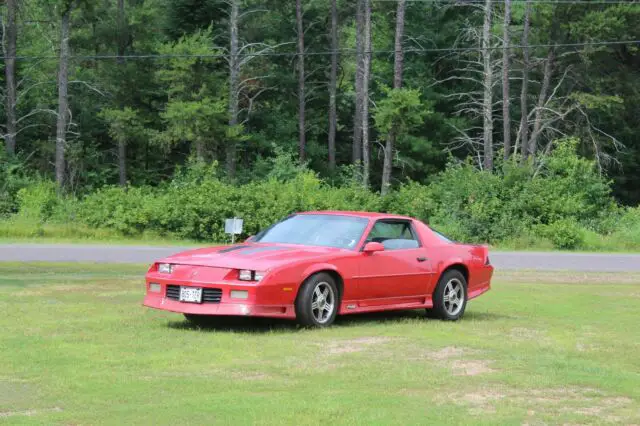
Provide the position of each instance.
(399, 274)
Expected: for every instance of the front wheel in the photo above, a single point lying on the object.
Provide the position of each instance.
(317, 302)
(450, 297)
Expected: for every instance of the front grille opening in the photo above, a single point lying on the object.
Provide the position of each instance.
(209, 295)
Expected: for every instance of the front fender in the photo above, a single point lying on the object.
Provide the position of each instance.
(317, 267)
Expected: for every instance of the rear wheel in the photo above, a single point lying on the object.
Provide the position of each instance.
(450, 297)
(317, 302)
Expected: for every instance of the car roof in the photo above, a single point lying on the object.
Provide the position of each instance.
(368, 215)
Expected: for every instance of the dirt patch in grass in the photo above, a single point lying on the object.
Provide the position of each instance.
(17, 393)
(447, 353)
(564, 277)
(619, 294)
(336, 347)
(29, 413)
(470, 367)
(583, 401)
(211, 374)
(485, 401)
(526, 334)
(461, 361)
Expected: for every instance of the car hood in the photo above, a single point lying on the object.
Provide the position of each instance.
(249, 256)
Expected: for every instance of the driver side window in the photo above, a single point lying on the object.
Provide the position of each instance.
(394, 235)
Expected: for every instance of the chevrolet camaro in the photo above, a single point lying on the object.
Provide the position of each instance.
(313, 266)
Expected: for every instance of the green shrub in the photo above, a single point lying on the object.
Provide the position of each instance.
(626, 235)
(565, 234)
(12, 179)
(37, 201)
(195, 204)
(562, 203)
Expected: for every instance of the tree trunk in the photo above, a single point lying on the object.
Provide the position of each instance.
(506, 114)
(301, 90)
(488, 82)
(544, 89)
(11, 36)
(366, 75)
(234, 73)
(524, 120)
(122, 46)
(357, 119)
(200, 151)
(333, 115)
(542, 99)
(397, 84)
(63, 99)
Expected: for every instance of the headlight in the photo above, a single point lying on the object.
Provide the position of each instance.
(245, 275)
(165, 268)
(249, 275)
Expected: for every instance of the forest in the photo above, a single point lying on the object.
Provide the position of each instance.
(512, 122)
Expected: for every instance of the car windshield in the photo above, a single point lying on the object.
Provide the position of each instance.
(316, 230)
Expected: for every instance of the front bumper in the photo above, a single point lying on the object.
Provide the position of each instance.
(263, 300)
(246, 308)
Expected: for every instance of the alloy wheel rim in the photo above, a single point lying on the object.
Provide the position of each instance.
(322, 302)
(453, 297)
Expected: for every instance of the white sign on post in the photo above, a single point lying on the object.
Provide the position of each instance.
(233, 227)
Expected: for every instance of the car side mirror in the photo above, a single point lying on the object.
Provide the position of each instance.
(372, 247)
(249, 238)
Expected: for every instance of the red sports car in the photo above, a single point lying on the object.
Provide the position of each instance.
(313, 266)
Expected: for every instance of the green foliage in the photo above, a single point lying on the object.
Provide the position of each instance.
(124, 124)
(38, 201)
(12, 180)
(185, 73)
(195, 121)
(282, 166)
(565, 194)
(564, 233)
(194, 111)
(173, 95)
(401, 110)
(195, 204)
(565, 204)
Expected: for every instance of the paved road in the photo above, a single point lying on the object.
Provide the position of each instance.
(139, 254)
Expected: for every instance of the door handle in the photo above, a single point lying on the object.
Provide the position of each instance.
(421, 259)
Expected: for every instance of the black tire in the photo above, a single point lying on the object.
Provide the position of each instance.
(309, 295)
(201, 320)
(443, 308)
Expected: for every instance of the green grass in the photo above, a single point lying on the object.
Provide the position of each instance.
(26, 231)
(621, 241)
(77, 347)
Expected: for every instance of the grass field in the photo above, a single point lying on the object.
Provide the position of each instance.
(78, 348)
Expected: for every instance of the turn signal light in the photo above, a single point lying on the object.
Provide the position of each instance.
(239, 294)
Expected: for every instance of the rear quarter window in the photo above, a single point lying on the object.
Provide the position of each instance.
(442, 237)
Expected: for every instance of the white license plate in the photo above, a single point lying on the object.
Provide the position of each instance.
(191, 294)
